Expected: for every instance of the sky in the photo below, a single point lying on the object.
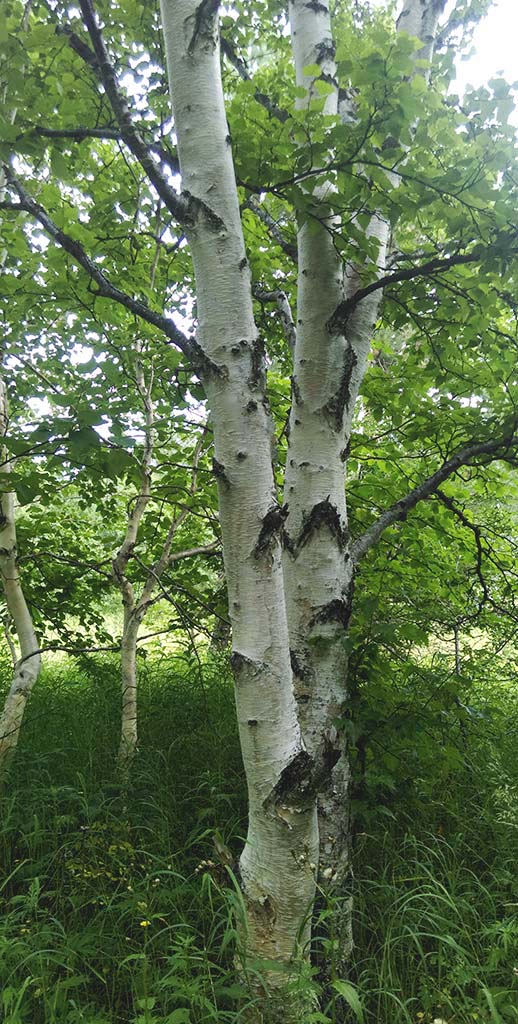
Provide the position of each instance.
(495, 43)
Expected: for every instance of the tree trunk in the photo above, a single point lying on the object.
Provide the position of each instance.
(129, 722)
(277, 881)
(329, 367)
(317, 565)
(27, 668)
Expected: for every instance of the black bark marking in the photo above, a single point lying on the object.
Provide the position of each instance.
(297, 669)
(197, 206)
(204, 365)
(317, 7)
(239, 661)
(331, 754)
(338, 610)
(334, 409)
(302, 779)
(294, 785)
(270, 529)
(243, 263)
(243, 666)
(251, 406)
(205, 24)
(257, 370)
(344, 454)
(239, 348)
(295, 390)
(287, 542)
(219, 471)
(324, 513)
(325, 50)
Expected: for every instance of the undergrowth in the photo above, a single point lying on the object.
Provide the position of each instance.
(107, 918)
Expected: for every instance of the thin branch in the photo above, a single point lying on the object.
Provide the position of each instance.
(241, 67)
(338, 321)
(120, 562)
(290, 248)
(81, 134)
(156, 571)
(281, 300)
(471, 455)
(477, 532)
(107, 290)
(204, 549)
(180, 206)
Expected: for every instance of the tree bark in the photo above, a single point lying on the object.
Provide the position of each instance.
(277, 880)
(132, 611)
(329, 366)
(27, 666)
(129, 717)
(317, 564)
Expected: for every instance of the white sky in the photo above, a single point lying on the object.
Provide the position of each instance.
(496, 45)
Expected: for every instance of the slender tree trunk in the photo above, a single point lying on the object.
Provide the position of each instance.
(329, 367)
(277, 880)
(129, 717)
(27, 667)
(132, 611)
(317, 564)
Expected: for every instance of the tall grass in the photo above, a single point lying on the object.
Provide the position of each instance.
(107, 918)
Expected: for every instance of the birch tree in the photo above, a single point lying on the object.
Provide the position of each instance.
(26, 664)
(134, 604)
(356, 174)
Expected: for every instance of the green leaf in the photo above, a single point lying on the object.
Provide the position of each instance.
(179, 1016)
(349, 993)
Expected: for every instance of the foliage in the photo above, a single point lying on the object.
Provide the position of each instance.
(105, 917)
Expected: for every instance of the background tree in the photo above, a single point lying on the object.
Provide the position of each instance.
(26, 665)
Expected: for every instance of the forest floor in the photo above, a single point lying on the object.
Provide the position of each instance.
(107, 917)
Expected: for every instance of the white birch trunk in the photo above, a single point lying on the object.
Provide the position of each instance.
(129, 717)
(132, 612)
(328, 373)
(317, 565)
(277, 882)
(27, 667)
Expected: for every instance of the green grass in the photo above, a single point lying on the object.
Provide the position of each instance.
(105, 920)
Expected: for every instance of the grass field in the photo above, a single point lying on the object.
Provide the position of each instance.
(104, 918)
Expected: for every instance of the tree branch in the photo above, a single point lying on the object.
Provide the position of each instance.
(166, 557)
(240, 66)
(120, 562)
(477, 532)
(180, 206)
(338, 321)
(107, 290)
(283, 305)
(472, 454)
(81, 134)
(290, 248)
